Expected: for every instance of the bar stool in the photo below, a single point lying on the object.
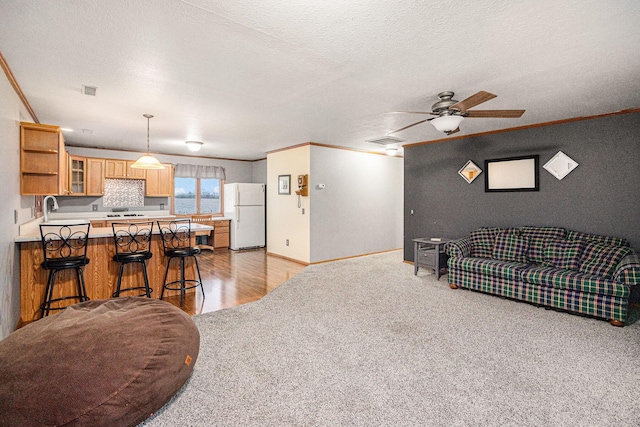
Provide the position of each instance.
(133, 245)
(176, 242)
(64, 247)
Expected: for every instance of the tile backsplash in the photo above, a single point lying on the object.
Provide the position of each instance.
(123, 193)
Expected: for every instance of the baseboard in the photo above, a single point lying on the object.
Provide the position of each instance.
(287, 258)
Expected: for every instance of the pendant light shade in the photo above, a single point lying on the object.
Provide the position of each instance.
(147, 161)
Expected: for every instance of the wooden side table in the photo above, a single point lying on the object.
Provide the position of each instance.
(428, 252)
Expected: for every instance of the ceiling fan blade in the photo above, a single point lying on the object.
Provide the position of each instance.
(507, 114)
(407, 127)
(472, 101)
(414, 112)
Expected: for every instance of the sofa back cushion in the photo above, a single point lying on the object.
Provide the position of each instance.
(600, 259)
(563, 253)
(538, 238)
(605, 240)
(509, 246)
(482, 241)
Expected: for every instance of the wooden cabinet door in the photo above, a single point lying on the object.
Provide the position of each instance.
(115, 168)
(95, 177)
(160, 181)
(135, 173)
(77, 176)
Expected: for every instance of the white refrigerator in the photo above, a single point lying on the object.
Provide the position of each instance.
(245, 205)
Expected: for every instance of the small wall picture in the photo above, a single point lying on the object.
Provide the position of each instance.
(284, 184)
(560, 165)
(470, 171)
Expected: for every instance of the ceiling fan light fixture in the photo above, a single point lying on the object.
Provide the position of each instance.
(147, 161)
(194, 145)
(447, 123)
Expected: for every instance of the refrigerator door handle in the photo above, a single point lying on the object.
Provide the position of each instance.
(237, 216)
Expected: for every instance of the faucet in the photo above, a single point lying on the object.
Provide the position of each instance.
(44, 206)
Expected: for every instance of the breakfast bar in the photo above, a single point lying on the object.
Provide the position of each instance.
(101, 274)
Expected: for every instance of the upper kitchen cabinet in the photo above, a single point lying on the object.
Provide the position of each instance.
(95, 177)
(122, 169)
(77, 176)
(160, 182)
(43, 160)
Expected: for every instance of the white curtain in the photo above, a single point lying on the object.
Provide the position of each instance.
(199, 171)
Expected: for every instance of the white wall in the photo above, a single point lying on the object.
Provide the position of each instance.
(12, 111)
(360, 210)
(285, 219)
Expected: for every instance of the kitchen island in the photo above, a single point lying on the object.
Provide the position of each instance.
(101, 274)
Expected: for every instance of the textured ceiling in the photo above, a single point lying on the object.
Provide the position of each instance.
(246, 77)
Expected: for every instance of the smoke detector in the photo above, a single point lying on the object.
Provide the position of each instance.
(89, 90)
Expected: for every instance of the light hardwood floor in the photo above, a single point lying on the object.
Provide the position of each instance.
(232, 278)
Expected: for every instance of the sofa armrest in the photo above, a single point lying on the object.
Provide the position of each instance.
(459, 248)
(628, 270)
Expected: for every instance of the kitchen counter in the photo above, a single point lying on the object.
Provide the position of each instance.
(100, 232)
(101, 274)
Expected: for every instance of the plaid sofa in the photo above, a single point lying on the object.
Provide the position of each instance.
(550, 266)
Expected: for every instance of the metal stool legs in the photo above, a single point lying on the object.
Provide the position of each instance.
(182, 281)
(147, 289)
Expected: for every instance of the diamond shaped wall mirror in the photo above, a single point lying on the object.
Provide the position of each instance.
(470, 171)
(560, 165)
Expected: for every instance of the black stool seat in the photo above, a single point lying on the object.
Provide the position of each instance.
(133, 245)
(64, 263)
(176, 242)
(132, 257)
(64, 247)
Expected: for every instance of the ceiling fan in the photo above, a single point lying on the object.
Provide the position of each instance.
(450, 112)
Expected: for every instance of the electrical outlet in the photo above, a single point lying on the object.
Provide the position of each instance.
(302, 211)
(161, 206)
(95, 208)
(287, 242)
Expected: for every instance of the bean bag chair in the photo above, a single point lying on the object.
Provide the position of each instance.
(97, 363)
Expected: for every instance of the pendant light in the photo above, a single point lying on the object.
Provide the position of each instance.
(147, 161)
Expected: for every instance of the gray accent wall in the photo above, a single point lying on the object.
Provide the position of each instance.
(600, 196)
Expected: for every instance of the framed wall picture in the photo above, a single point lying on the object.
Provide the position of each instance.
(512, 174)
(284, 184)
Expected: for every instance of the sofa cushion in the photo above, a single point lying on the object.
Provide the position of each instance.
(563, 254)
(510, 247)
(605, 240)
(489, 267)
(97, 363)
(600, 259)
(566, 279)
(483, 240)
(538, 238)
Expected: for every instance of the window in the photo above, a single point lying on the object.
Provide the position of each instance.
(197, 195)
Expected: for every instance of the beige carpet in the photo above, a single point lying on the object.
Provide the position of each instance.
(364, 342)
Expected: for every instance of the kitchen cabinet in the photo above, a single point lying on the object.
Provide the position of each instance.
(221, 234)
(77, 176)
(95, 177)
(122, 169)
(160, 182)
(43, 161)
